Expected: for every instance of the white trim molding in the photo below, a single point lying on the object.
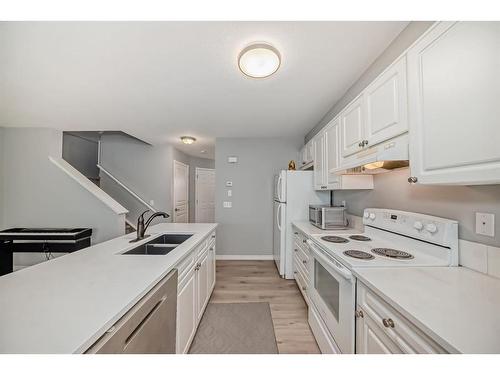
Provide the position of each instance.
(245, 257)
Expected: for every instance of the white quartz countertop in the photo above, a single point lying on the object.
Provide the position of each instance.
(457, 307)
(308, 229)
(66, 304)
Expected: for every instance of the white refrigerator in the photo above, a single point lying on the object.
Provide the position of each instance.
(293, 192)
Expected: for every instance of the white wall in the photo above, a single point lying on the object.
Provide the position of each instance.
(146, 170)
(38, 194)
(247, 227)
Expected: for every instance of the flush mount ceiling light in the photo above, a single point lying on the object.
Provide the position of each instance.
(188, 140)
(259, 60)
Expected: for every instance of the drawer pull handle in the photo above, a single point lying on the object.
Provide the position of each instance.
(211, 249)
(143, 321)
(304, 288)
(294, 272)
(388, 323)
(304, 261)
(296, 250)
(359, 314)
(296, 233)
(213, 235)
(304, 241)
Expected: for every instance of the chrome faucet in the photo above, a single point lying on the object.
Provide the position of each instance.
(141, 226)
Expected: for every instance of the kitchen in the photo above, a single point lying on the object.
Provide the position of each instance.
(370, 230)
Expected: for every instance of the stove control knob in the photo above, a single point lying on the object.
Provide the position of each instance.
(366, 215)
(372, 216)
(418, 225)
(431, 228)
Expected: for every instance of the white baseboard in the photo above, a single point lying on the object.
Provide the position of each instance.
(244, 257)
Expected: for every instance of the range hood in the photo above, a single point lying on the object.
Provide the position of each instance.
(380, 158)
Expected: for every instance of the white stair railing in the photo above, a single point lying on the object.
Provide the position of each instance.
(127, 189)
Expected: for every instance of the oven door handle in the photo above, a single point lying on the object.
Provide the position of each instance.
(317, 253)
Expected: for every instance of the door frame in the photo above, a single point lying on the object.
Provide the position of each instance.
(173, 189)
(196, 190)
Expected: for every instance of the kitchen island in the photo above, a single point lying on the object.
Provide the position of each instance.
(65, 305)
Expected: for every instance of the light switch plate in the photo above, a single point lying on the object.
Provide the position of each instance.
(485, 224)
(232, 159)
(229, 193)
(228, 204)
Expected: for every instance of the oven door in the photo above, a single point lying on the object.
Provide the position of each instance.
(332, 291)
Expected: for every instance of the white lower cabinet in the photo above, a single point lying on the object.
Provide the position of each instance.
(381, 329)
(196, 284)
(186, 313)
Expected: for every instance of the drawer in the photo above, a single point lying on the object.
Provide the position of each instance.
(148, 327)
(211, 239)
(185, 266)
(300, 265)
(303, 285)
(408, 337)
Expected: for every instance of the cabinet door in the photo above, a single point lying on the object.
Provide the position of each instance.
(370, 339)
(352, 125)
(211, 268)
(332, 155)
(319, 162)
(186, 314)
(202, 285)
(386, 104)
(453, 87)
(310, 152)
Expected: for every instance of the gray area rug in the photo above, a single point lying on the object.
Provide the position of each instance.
(235, 328)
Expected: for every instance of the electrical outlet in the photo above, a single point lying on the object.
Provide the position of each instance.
(228, 204)
(485, 224)
(229, 193)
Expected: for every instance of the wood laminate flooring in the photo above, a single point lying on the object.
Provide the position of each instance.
(258, 281)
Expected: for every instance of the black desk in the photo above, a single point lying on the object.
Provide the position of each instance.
(40, 240)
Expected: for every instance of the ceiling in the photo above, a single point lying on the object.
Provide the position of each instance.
(161, 80)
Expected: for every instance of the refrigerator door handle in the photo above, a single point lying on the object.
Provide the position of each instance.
(278, 217)
(278, 188)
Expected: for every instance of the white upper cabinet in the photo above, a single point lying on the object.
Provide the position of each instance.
(454, 111)
(386, 105)
(352, 127)
(332, 138)
(307, 155)
(319, 161)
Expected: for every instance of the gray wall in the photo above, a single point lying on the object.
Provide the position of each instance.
(392, 190)
(411, 33)
(146, 170)
(2, 157)
(81, 153)
(194, 163)
(38, 194)
(247, 227)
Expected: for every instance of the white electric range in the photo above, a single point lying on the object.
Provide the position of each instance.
(391, 239)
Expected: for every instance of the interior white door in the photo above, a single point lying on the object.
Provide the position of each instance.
(181, 192)
(205, 195)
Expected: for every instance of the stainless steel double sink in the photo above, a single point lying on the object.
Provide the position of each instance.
(160, 245)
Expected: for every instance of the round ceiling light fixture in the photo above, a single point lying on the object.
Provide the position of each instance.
(188, 140)
(259, 60)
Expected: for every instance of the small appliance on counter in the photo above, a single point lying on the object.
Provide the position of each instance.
(328, 217)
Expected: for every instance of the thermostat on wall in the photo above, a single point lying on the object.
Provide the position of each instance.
(232, 159)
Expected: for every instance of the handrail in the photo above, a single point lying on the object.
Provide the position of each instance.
(151, 208)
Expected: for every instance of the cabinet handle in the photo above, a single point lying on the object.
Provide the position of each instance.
(304, 261)
(359, 314)
(294, 272)
(388, 323)
(360, 144)
(296, 250)
(365, 142)
(323, 187)
(412, 180)
(211, 249)
(304, 241)
(213, 235)
(296, 233)
(304, 288)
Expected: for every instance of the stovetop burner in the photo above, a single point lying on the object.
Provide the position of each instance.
(359, 237)
(335, 239)
(392, 253)
(359, 254)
